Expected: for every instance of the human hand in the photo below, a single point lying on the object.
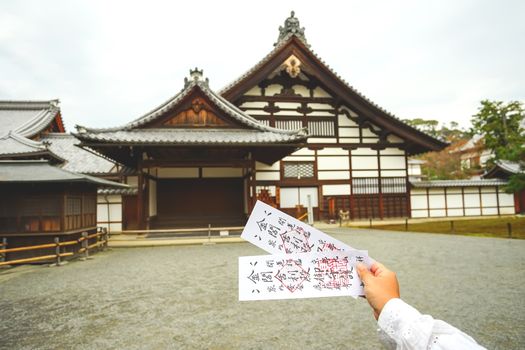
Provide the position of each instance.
(380, 285)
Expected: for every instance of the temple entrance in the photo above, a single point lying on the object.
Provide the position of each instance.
(199, 202)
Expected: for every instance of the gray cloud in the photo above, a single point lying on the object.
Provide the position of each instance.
(110, 62)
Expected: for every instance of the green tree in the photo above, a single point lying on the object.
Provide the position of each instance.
(501, 125)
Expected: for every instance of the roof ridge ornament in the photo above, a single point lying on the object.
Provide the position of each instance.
(196, 75)
(291, 27)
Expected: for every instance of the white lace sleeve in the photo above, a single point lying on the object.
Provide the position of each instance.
(403, 327)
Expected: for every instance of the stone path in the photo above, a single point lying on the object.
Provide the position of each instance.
(185, 297)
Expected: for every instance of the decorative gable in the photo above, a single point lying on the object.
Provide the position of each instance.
(200, 114)
(293, 87)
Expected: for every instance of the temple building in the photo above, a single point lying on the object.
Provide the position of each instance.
(289, 132)
(287, 129)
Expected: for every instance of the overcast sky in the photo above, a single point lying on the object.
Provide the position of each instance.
(111, 61)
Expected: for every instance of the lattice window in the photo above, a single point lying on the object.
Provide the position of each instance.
(74, 206)
(365, 185)
(299, 170)
(393, 185)
(321, 128)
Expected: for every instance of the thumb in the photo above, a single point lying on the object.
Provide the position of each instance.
(363, 273)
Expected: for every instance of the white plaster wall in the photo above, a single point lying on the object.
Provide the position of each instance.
(455, 212)
(419, 214)
(436, 213)
(348, 132)
(362, 173)
(349, 140)
(490, 211)
(332, 151)
(262, 166)
(333, 175)
(292, 113)
(273, 89)
(336, 190)
(345, 121)
(319, 92)
(437, 202)
(368, 134)
(332, 163)
(471, 200)
(454, 200)
(254, 91)
(321, 140)
(506, 199)
(393, 173)
(394, 139)
(418, 202)
(507, 210)
(324, 106)
(392, 151)
(364, 152)
(393, 162)
(298, 158)
(268, 176)
(489, 200)
(304, 152)
(254, 104)
(288, 105)
(364, 162)
(472, 212)
(301, 90)
(322, 114)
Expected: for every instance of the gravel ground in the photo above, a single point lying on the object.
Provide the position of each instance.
(186, 298)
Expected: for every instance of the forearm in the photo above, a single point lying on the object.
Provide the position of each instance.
(409, 329)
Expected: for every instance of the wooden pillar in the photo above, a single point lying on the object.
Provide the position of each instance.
(408, 188)
(497, 200)
(140, 196)
(379, 186)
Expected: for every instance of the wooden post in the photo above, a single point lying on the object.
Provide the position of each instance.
(4, 246)
(57, 251)
(209, 233)
(509, 229)
(406, 224)
(85, 245)
(106, 237)
(370, 222)
(452, 226)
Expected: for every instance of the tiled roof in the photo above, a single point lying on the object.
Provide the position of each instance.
(15, 146)
(282, 42)
(227, 107)
(191, 136)
(31, 171)
(122, 191)
(77, 159)
(26, 118)
(458, 183)
(12, 143)
(254, 133)
(511, 167)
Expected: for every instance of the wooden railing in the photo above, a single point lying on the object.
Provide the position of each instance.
(101, 242)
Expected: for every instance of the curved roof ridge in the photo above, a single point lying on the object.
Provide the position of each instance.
(203, 85)
(23, 140)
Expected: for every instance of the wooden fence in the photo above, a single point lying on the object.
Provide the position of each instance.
(101, 242)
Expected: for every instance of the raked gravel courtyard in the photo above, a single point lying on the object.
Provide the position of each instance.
(185, 297)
